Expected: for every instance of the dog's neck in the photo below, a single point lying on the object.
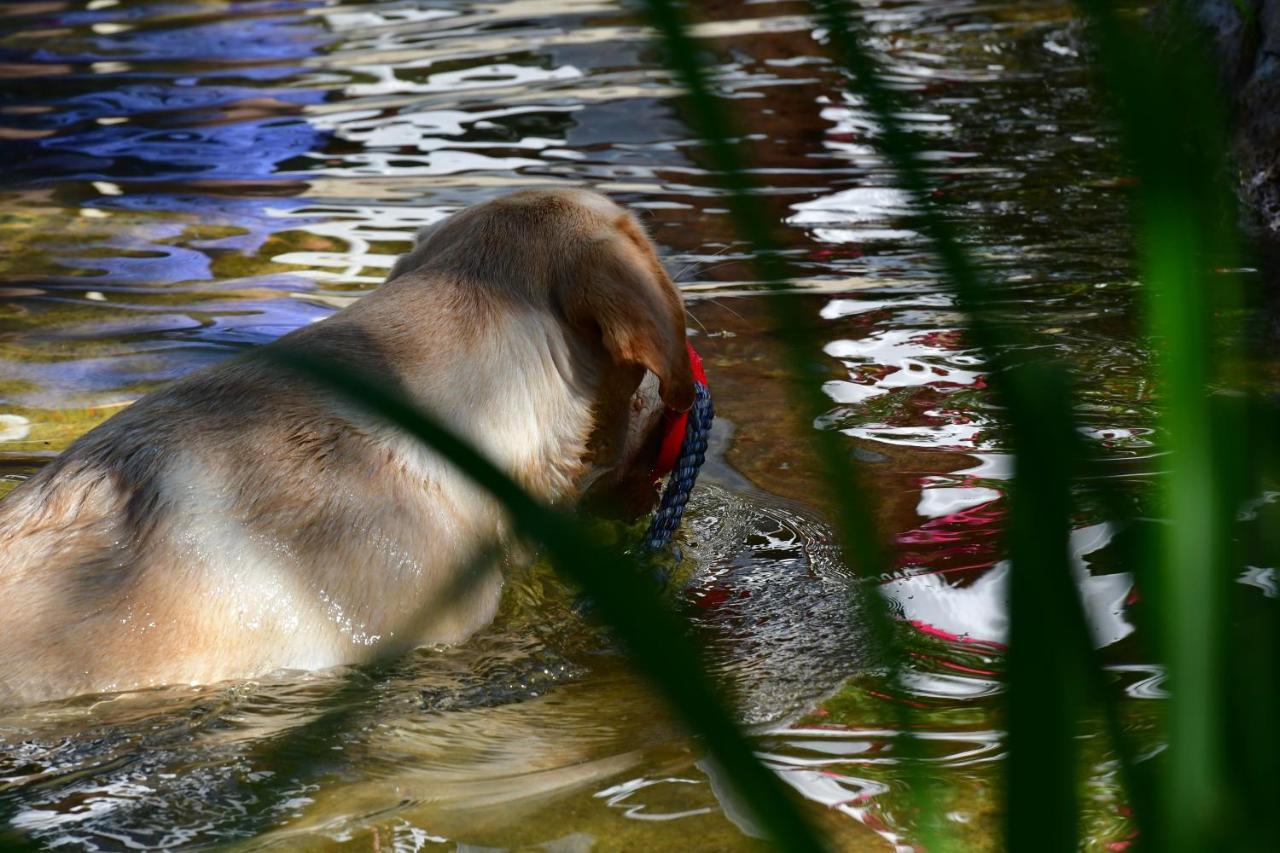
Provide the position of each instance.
(524, 400)
(512, 382)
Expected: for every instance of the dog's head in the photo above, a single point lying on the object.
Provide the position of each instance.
(589, 263)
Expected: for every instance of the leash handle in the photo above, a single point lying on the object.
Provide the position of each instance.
(693, 452)
(684, 473)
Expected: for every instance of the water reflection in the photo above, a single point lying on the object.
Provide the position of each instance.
(515, 726)
(186, 179)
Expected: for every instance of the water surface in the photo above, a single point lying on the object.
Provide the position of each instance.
(183, 180)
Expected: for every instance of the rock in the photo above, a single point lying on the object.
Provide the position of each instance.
(1248, 50)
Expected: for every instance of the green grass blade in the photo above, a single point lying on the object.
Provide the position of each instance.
(859, 541)
(1045, 678)
(1167, 108)
(710, 121)
(859, 538)
(996, 342)
(1191, 609)
(656, 639)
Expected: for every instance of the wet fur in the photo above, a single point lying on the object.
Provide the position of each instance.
(241, 521)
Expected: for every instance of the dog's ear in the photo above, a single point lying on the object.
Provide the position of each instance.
(619, 286)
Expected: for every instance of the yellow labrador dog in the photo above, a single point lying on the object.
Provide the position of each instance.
(242, 521)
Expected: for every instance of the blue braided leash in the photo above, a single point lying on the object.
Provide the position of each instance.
(693, 452)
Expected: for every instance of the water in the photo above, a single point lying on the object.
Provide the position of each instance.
(183, 180)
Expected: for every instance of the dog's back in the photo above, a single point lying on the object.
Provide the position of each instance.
(243, 520)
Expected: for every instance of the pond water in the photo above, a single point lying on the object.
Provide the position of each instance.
(182, 180)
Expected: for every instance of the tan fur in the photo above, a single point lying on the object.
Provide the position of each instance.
(241, 521)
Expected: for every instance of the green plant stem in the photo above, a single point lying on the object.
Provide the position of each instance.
(656, 639)
(1166, 104)
(1021, 408)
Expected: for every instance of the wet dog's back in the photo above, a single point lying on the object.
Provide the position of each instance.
(243, 520)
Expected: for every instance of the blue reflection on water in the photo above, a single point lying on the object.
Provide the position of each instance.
(243, 32)
(174, 115)
(166, 122)
(234, 151)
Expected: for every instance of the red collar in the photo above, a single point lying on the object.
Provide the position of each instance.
(674, 424)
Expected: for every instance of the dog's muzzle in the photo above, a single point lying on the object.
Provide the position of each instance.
(684, 448)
